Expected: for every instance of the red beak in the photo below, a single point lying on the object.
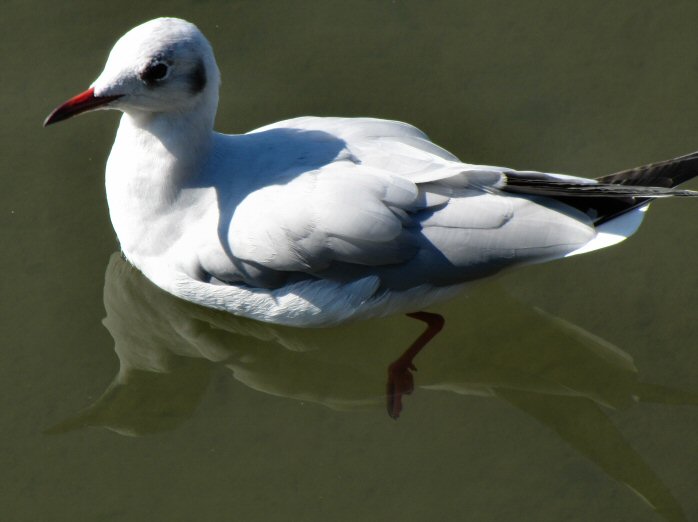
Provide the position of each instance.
(85, 101)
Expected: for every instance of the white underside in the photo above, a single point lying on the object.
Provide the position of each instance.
(321, 303)
(315, 303)
(614, 231)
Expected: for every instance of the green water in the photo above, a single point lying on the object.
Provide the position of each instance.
(561, 392)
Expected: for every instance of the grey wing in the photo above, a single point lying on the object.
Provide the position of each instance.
(400, 208)
(339, 213)
(476, 234)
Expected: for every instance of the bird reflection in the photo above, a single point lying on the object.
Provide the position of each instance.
(554, 371)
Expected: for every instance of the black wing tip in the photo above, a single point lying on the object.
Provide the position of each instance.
(668, 173)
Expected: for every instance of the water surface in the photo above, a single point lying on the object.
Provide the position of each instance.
(565, 391)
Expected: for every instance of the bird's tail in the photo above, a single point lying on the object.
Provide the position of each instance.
(614, 194)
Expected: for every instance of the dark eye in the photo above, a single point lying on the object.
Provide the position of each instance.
(154, 73)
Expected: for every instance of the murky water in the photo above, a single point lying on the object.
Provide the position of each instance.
(566, 391)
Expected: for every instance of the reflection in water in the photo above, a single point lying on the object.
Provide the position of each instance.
(400, 379)
(555, 372)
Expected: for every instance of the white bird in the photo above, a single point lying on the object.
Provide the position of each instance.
(315, 221)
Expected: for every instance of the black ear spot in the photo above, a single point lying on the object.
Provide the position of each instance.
(154, 72)
(197, 78)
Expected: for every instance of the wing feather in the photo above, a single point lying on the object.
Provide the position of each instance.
(394, 201)
(343, 212)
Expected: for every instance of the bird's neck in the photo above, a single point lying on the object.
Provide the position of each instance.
(155, 157)
(179, 141)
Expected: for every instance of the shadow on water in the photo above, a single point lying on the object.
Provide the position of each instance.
(557, 373)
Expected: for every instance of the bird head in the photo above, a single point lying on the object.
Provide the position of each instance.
(164, 65)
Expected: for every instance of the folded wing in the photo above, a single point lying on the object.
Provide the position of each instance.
(393, 204)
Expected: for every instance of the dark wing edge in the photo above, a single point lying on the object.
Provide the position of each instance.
(612, 195)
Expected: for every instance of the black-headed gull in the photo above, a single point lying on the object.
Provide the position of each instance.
(315, 221)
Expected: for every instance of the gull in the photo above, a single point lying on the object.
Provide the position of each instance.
(316, 221)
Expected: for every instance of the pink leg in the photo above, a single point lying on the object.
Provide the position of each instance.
(400, 380)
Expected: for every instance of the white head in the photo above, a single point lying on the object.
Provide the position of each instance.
(165, 65)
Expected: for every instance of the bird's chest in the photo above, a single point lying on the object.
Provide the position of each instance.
(153, 217)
